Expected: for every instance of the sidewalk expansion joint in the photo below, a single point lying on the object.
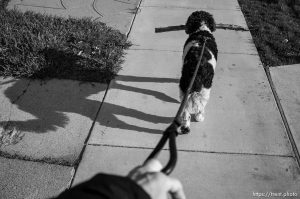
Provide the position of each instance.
(133, 19)
(152, 49)
(62, 4)
(188, 8)
(88, 136)
(195, 151)
(180, 51)
(232, 53)
(283, 116)
(99, 109)
(36, 6)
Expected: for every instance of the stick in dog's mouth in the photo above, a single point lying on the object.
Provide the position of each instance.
(182, 27)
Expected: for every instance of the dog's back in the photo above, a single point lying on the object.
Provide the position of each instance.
(191, 56)
(199, 27)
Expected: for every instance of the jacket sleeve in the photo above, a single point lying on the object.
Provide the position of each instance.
(103, 186)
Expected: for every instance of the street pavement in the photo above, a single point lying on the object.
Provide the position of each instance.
(241, 150)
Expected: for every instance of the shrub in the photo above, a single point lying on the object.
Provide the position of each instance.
(38, 46)
(275, 27)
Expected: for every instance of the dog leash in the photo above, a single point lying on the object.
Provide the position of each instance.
(172, 131)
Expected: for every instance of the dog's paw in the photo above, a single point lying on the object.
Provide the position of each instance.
(185, 130)
(199, 117)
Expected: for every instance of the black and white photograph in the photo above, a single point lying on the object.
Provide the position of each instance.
(149, 99)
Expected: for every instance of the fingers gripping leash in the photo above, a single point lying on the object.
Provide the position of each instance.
(173, 130)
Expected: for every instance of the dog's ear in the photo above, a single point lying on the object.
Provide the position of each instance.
(210, 21)
(194, 21)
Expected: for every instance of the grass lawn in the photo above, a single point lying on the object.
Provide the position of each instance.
(39, 46)
(275, 28)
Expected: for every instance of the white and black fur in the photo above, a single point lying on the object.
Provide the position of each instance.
(199, 25)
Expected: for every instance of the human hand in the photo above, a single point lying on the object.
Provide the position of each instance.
(155, 183)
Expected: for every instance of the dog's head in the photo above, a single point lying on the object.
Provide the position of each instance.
(198, 19)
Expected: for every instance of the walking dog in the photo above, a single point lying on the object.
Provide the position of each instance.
(199, 27)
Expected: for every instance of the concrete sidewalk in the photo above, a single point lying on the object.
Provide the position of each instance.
(241, 148)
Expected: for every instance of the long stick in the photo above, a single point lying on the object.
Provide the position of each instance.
(218, 26)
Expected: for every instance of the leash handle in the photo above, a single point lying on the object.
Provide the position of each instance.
(172, 131)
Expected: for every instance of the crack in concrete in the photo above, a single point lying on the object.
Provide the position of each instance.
(23, 93)
(47, 160)
(124, 2)
(16, 5)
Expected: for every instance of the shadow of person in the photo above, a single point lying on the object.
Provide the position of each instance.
(154, 93)
(48, 105)
(109, 118)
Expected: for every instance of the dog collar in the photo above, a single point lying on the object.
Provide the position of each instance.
(202, 28)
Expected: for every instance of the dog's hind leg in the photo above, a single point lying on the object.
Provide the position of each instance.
(181, 95)
(207, 75)
(199, 117)
(203, 100)
(185, 117)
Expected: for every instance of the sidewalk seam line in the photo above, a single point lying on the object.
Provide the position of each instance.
(195, 151)
(62, 4)
(283, 117)
(77, 163)
(187, 8)
(133, 19)
(166, 50)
